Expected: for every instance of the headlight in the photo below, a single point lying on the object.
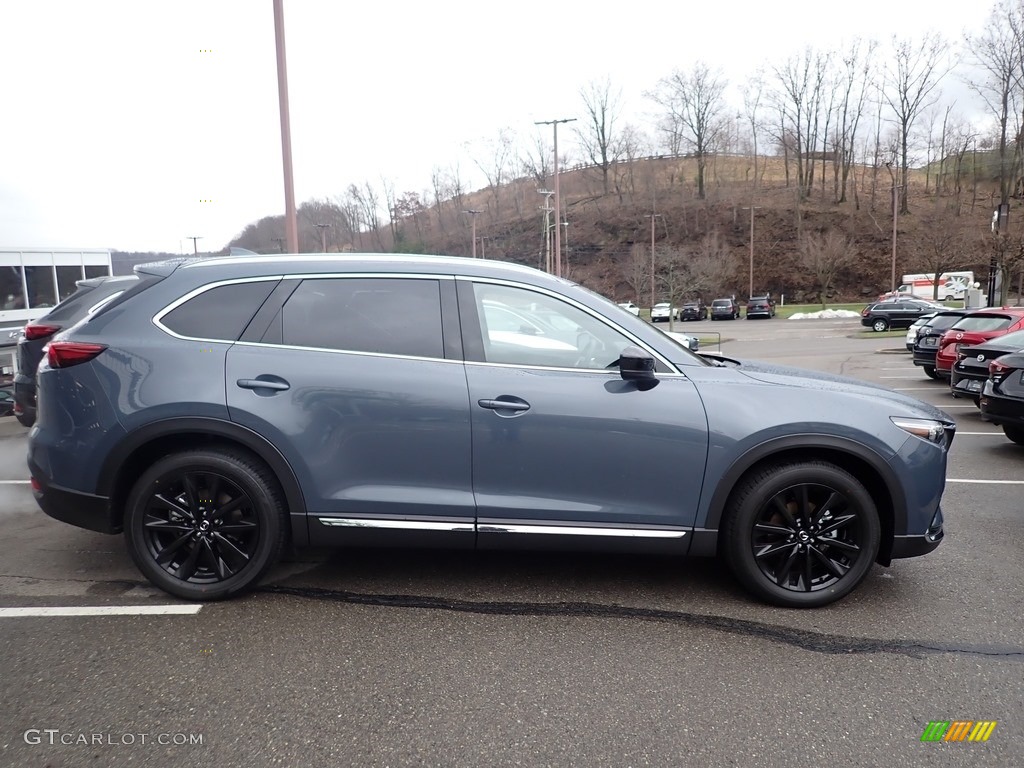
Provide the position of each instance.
(926, 429)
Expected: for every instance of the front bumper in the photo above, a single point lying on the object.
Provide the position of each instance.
(917, 545)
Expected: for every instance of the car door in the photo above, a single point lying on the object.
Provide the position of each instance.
(358, 384)
(561, 444)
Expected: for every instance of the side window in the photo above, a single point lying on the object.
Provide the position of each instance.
(219, 313)
(394, 316)
(522, 327)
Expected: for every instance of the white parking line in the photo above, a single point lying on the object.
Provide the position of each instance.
(1000, 434)
(985, 482)
(101, 610)
(917, 389)
(15, 482)
(918, 376)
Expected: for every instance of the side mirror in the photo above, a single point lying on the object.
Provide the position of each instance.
(636, 365)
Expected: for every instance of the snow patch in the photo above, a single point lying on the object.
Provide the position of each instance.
(824, 314)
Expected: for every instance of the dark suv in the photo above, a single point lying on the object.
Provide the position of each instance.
(222, 409)
(760, 306)
(883, 315)
(89, 296)
(693, 310)
(724, 309)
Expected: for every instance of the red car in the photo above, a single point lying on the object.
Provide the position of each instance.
(974, 329)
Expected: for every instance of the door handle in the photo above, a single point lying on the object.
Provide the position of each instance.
(276, 384)
(504, 405)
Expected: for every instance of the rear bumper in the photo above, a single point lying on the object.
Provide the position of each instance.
(25, 396)
(82, 510)
(1001, 410)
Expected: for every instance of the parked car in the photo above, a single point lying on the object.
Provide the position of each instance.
(760, 306)
(724, 309)
(971, 369)
(6, 402)
(693, 310)
(630, 307)
(692, 343)
(1002, 399)
(662, 312)
(89, 296)
(225, 408)
(926, 345)
(915, 327)
(883, 315)
(975, 328)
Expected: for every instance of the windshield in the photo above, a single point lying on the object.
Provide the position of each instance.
(983, 323)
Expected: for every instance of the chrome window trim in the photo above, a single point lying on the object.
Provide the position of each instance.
(562, 297)
(580, 530)
(196, 292)
(408, 525)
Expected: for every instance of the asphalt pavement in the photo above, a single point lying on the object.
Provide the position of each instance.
(398, 658)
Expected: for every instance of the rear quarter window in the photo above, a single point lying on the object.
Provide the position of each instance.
(219, 313)
(983, 323)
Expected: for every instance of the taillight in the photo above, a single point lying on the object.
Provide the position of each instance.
(864, 312)
(997, 371)
(38, 331)
(64, 354)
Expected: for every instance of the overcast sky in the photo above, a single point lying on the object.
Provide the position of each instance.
(118, 118)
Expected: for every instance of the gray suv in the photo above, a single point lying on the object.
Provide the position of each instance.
(221, 410)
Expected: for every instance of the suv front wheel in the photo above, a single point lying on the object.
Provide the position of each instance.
(801, 535)
(880, 325)
(205, 524)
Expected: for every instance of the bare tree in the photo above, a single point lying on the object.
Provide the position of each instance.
(753, 93)
(636, 271)
(693, 102)
(998, 51)
(366, 202)
(854, 82)
(496, 164)
(824, 255)
(536, 160)
(440, 191)
(802, 81)
(911, 79)
(599, 138)
(940, 244)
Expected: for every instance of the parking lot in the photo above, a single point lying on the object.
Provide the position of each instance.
(458, 659)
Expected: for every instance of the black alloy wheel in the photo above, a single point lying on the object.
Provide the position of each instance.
(205, 525)
(801, 535)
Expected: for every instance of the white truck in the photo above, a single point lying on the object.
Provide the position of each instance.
(952, 285)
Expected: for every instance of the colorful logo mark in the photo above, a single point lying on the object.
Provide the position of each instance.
(958, 730)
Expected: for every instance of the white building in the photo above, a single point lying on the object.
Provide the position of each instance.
(33, 281)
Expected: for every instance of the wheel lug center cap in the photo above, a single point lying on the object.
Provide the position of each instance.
(204, 526)
(804, 537)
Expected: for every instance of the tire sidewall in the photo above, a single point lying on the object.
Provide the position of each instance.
(738, 541)
(233, 469)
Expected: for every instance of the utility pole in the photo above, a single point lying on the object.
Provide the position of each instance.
(195, 249)
(473, 212)
(323, 236)
(547, 227)
(750, 289)
(291, 228)
(652, 217)
(558, 238)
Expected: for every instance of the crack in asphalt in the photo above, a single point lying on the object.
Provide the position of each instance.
(816, 642)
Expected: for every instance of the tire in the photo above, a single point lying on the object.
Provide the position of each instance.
(763, 548)
(24, 419)
(929, 371)
(949, 298)
(880, 325)
(218, 556)
(1014, 434)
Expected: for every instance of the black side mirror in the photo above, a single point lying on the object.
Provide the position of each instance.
(636, 365)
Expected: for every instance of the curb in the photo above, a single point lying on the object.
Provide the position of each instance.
(892, 351)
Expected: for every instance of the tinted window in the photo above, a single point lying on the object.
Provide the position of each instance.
(12, 295)
(550, 332)
(67, 277)
(394, 316)
(983, 323)
(219, 313)
(1015, 339)
(719, 303)
(41, 289)
(95, 270)
(943, 321)
(85, 297)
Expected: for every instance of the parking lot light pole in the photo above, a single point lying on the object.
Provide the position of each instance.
(750, 289)
(473, 212)
(195, 248)
(323, 236)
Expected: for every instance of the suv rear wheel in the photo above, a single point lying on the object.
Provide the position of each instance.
(801, 535)
(205, 524)
(880, 325)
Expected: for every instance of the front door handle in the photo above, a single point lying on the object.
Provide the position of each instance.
(505, 403)
(268, 383)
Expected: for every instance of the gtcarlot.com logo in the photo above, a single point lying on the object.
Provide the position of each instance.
(55, 736)
(958, 730)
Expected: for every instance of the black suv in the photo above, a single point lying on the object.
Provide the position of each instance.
(926, 345)
(90, 295)
(883, 315)
(693, 310)
(760, 306)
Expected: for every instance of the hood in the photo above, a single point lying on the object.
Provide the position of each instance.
(784, 375)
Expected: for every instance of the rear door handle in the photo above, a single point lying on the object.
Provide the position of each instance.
(510, 404)
(268, 383)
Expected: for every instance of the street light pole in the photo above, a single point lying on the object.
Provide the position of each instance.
(547, 227)
(750, 289)
(195, 249)
(558, 238)
(652, 217)
(473, 212)
(291, 229)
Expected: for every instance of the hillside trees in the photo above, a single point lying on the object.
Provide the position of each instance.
(599, 135)
(693, 102)
(824, 255)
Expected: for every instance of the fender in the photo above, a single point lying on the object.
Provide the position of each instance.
(214, 428)
(708, 536)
